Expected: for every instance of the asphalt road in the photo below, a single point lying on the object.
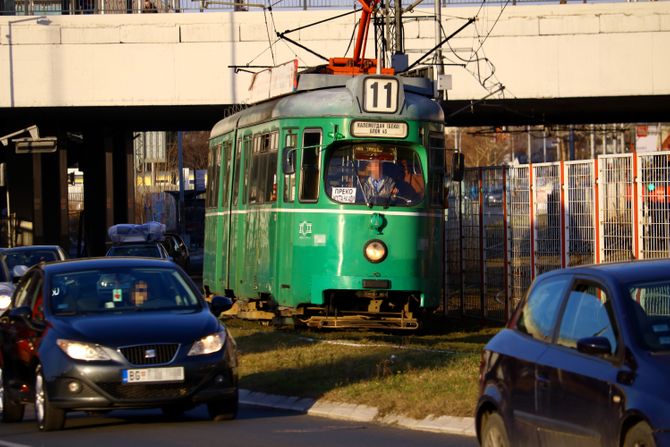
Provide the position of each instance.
(254, 427)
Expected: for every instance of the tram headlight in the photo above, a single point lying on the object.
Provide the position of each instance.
(375, 251)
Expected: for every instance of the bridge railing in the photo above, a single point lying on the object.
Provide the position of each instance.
(49, 7)
(506, 225)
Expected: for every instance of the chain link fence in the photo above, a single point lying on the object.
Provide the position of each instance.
(506, 225)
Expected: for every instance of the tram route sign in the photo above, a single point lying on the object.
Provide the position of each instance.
(382, 129)
(344, 195)
(380, 94)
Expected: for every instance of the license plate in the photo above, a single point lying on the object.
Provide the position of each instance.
(175, 374)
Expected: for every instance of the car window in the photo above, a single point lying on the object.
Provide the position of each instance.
(588, 313)
(120, 289)
(25, 291)
(540, 309)
(651, 310)
(37, 303)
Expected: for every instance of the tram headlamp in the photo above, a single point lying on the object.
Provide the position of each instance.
(375, 251)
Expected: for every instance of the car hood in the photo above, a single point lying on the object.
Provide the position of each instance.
(147, 327)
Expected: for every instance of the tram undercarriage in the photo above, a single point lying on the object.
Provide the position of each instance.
(342, 309)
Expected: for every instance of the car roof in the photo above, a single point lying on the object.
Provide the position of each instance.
(622, 272)
(30, 247)
(136, 244)
(104, 262)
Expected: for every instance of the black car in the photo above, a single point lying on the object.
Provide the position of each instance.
(111, 333)
(584, 360)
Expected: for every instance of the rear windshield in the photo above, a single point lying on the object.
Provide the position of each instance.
(119, 289)
(30, 258)
(146, 251)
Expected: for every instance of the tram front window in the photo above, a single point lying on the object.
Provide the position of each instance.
(375, 174)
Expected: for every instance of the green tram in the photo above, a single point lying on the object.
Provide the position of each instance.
(291, 228)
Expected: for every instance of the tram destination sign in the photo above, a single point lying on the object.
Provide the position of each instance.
(383, 129)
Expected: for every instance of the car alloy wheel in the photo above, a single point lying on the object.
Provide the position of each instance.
(640, 435)
(48, 417)
(11, 411)
(493, 431)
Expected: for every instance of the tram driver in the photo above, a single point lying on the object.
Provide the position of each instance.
(378, 188)
(386, 185)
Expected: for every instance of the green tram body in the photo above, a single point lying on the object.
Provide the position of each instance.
(278, 242)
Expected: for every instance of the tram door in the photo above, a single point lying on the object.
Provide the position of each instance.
(288, 169)
(213, 262)
(229, 221)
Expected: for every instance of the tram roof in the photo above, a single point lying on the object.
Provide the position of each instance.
(320, 95)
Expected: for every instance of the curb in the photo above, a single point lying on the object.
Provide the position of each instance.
(464, 426)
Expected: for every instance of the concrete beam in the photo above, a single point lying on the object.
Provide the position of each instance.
(138, 60)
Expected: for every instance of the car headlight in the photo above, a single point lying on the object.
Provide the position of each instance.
(375, 251)
(208, 345)
(5, 301)
(82, 351)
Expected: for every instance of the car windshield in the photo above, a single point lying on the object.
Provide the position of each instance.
(29, 257)
(651, 304)
(120, 289)
(146, 251)
(375, 174)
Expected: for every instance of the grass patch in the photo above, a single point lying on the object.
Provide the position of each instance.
(434, 373)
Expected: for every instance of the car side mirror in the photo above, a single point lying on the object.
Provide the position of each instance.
(220, 304)
(594, 345)
(288, 165)
(457, 166)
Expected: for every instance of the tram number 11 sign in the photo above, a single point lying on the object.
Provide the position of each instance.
(380, 95)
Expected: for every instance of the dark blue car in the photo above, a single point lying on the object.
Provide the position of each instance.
(584, 360)
(114, 333)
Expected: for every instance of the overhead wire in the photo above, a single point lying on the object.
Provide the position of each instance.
(478, 56)
(267, 30)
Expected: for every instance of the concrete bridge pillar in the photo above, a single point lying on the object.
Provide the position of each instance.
(109, 192)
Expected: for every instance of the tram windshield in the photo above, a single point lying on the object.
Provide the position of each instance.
(375, 174)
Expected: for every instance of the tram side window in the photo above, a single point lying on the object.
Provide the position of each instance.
(436, 171)
(263, 181)
(309, 175)
(291, 141)
(236, 174)
(227, 158)
(213, 170)
(246, 143)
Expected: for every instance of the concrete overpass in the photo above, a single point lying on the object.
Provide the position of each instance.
(174, 70)
(100, 77)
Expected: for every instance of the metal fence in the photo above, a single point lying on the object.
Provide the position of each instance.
(506, 225)
(46, 7)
